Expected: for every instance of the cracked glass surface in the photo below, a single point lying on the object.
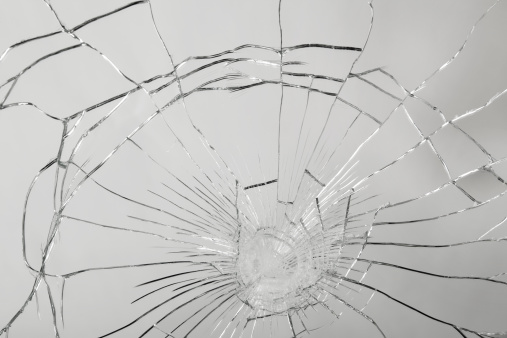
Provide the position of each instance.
(253, 169)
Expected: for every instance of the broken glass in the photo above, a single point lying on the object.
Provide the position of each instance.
(254, 169)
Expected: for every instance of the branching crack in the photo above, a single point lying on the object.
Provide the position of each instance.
(272, 187)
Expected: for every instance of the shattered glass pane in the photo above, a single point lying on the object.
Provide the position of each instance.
(253, 169)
